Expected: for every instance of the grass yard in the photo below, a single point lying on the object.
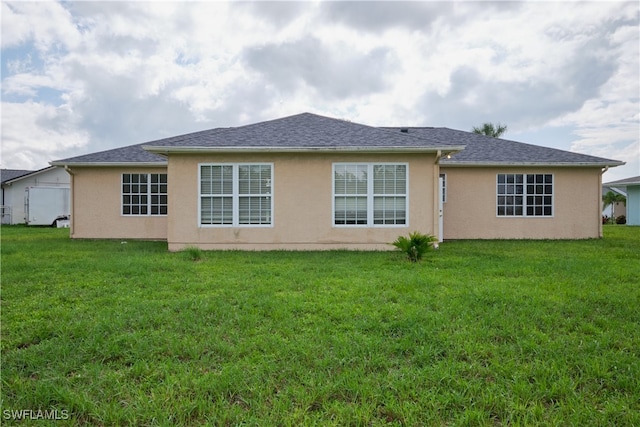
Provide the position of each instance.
(479, 333)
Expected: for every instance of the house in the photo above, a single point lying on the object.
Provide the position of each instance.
(313, 182)
(14, 190)
(632, 187)
(617, 208)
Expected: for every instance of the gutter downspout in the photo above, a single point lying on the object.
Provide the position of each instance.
(600, 233)
(436, 199)
(72, 207)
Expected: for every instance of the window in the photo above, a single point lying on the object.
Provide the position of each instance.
(236, 194)
(525, 195)
(144, 194)
(370, 194)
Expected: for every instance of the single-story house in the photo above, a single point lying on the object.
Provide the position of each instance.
(617, 208)
(632, 187)
(314, 182)
(16, 198)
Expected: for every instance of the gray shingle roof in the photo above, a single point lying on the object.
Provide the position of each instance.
(9, 174)
(486, 150)
(133, 154)
(624, 182)
(308, 131)
(302, 131)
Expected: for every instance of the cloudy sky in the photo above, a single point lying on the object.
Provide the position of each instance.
(79, 77)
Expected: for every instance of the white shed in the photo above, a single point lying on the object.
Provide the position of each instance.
(15, 184)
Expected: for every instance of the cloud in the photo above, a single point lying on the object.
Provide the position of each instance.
(107, 74)
(335, 72)
(46, 24)
(50, 131)
(379, 16)
(278, 13)
(476, 98)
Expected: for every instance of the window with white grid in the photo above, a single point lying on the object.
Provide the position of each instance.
(236, 194)
(524, 195)
(368, 194)
(144, 194)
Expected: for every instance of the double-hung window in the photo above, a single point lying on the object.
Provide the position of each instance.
(236, 194)
(144, 194)
(370, 194)
(525, 195)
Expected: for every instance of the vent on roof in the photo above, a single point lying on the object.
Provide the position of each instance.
(404, 130)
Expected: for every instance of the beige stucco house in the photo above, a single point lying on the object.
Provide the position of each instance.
(313, 182)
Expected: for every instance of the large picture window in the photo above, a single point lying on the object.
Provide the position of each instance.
(144, 194)
(370, 194)
(236, 194)
(525, 195)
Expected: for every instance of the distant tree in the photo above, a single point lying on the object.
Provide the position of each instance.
(490, 129)
(612, 199)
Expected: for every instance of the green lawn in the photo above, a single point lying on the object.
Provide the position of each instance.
(478, 333)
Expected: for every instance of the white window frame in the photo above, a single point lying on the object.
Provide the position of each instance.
(235, 195)
(370, 195)
(525, 193)
(148, 194)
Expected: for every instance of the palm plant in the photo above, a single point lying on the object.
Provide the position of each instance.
(416, 245)
(612, 198)
(489, 129)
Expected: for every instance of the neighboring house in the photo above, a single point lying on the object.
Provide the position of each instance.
(632, 187)
(620, 208)
(313, 182)
(14, 185)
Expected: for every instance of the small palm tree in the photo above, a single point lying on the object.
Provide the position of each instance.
(416, 245)
(489, 129)
(612, 199)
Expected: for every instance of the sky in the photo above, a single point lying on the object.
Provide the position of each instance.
(80, 77)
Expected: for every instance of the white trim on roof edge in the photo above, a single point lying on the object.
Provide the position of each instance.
(537, 164)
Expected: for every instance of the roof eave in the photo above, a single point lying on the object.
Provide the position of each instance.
(27, 175)
(625, 185)
(537, 164)
(108, 164)
(366, 149)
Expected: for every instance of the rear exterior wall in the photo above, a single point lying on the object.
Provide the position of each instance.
(470, 209)
(96, 206)
(302, 204)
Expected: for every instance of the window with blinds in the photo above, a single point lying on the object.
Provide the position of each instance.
(370, 194)
(236, 194)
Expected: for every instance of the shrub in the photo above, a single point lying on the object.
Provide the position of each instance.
(606, 219)
(416, 245)
(621, 219)
(193, 253)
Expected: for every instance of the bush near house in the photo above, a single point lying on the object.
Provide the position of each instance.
(416, 245)
(480, 333)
